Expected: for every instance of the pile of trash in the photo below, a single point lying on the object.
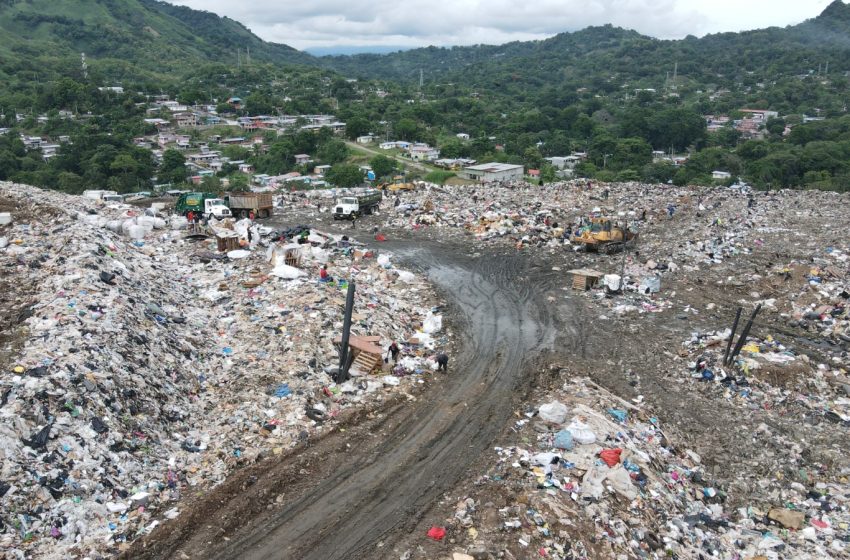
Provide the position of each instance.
(154, 364)
(593, 476)
(767, 374)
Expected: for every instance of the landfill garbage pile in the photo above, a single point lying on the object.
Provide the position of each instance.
(152, 364)
(594, 476)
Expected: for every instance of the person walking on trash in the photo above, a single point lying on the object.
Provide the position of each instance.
(393, 351)
(442, 362)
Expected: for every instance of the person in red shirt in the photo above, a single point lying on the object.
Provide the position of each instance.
(190, 216)
(324, 276)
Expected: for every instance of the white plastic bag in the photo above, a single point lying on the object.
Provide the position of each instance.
(287, 272)
(432, 323)
(554, 412)
(581, 432)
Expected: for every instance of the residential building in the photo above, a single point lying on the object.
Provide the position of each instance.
(454, 163)
(759, 114)
(302, 159)
(366, 139)
(423, 153)
(395, 145)
(462, 136)
(564, 162)
(720, 175)
(493, 172)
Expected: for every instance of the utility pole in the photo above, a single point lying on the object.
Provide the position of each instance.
(248, 56)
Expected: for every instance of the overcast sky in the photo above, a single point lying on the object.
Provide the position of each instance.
(321, 23)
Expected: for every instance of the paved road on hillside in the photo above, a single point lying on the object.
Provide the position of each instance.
(404, 161)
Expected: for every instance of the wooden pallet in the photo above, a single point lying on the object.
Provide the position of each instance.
(365, 363)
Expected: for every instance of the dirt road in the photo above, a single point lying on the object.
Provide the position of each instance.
(368, 486)
(404, 161)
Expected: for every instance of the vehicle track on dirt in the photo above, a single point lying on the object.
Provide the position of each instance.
(382, 489)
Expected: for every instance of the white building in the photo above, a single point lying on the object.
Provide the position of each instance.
(397, 145)
(462, 136)
(494, 172)
(366, 139)
(721, 175)
(564, 162)
(423, 153)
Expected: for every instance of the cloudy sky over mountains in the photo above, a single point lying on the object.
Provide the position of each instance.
(413, 23)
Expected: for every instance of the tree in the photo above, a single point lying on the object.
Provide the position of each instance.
(259, 104)
(532, 158)
(211, 183)
(234, 152)
(632, 153)
(333, 151)
(660, 172)
(238, 182)
(70, 183)
(344, 175)
(677, 128)
(356, 126)
(452, 149)
(548, 173)
(382, 165)
(406, 129)
(173, 167)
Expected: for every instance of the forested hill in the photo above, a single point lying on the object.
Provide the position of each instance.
(147, 34)
(612, 55)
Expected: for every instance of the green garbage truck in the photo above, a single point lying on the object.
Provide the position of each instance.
(203, 204)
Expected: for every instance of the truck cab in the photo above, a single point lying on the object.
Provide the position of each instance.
(215, 207)
(346, 207)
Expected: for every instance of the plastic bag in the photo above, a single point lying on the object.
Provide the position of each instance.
(581, 432)
(564, 440)
(432, 323)
(287, 272)
(39, 440)
(554, 412)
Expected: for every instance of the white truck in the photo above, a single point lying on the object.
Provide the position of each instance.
(357, 204)
(98, 194)
(202, 204)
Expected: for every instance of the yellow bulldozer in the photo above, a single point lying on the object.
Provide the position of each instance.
(603, 236)
(393, 187)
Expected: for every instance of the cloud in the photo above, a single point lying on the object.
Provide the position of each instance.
(465, 22)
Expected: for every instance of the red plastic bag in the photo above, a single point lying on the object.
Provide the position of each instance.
(437, 533)
(610, 456)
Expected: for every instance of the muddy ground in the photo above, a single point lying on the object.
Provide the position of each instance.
(371, 487)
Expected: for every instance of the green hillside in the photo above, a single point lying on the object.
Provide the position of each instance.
(625, 56)
(152, 35)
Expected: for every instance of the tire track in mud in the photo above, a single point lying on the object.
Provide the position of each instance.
(380, 494)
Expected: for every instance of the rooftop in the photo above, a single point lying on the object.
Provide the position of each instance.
(494, 167)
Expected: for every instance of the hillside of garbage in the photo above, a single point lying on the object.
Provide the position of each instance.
(142, 365)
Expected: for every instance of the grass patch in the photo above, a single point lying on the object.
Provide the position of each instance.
(439, 177)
